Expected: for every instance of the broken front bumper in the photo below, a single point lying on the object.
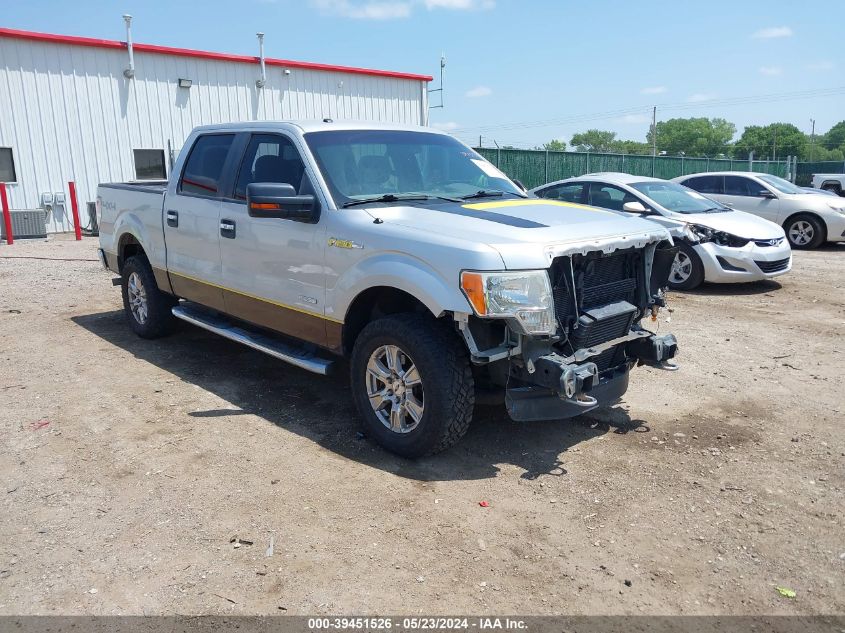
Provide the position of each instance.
(563, 387)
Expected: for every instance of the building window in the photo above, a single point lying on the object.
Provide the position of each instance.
(7, 165)
(149, 164)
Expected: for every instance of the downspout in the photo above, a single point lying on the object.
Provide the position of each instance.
(129, 73)
(260, 83)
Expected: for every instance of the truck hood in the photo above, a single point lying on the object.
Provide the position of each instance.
(527, 233)
(736, 223)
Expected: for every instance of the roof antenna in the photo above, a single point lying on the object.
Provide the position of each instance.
(440, 89)
(129, 73)
(260, 83)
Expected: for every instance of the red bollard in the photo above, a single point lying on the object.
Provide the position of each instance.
(7, 217)
(74, 207)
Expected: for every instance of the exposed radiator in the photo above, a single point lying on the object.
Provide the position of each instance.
(26, 223)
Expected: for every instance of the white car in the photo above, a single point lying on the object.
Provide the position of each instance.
(715, 243)
(808, 219)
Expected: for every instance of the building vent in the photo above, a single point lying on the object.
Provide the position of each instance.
(26, 224)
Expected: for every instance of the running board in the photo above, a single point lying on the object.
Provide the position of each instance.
(298, 357)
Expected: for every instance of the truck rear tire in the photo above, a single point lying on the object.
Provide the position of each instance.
(412, 384)
(147, 308)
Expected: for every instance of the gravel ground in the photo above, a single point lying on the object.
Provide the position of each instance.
(128, 466)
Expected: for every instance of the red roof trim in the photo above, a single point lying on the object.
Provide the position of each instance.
(186, 52)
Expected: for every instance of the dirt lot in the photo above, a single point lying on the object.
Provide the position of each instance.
(128, 465)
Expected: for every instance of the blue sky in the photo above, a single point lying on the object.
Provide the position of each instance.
(524, 72)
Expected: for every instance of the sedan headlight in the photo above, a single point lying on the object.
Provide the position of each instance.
(706, 234)
(525, 296)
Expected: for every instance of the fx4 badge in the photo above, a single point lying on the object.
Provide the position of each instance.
(333, 241)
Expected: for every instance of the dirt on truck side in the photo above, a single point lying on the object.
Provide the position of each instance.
(149, 477)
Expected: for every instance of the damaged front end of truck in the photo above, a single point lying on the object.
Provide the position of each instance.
(573, 349)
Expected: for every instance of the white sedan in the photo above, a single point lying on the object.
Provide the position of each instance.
(715, 242)
(808, 219)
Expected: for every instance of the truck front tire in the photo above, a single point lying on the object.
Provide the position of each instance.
(412, 384)
(147, 308)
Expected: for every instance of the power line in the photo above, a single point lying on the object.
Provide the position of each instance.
(597, 116)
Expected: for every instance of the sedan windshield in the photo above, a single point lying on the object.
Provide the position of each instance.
(784, 186)
(677, 198)
(387, 166)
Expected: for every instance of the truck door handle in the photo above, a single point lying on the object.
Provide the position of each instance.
(172, 218)
(227, 229)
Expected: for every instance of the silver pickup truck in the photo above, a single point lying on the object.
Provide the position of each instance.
(403, 250)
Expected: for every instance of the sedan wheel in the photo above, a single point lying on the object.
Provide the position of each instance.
(801, 233)
(681, 268)
(395, 389)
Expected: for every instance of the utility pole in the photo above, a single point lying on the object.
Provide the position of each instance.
(654, 131)
(653, 140)
(775, 143)
(813, 139)
(479, 141)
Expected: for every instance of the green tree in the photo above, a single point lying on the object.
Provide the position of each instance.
(695, 137)
(774, 141)
(631, 147)
(555, 146)
(835, 137)
(593, 141)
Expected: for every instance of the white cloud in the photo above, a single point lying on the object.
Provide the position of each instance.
(634, 118)
(479, 91)
(772, 32)
(460, 5)
(653, 90)
(821, 66)
(698, 97)
(364, 11)
(771, 71)
(446, 126)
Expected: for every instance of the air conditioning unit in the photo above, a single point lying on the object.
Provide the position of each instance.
(26, 223)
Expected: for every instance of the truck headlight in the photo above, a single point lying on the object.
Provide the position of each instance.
(525, 296)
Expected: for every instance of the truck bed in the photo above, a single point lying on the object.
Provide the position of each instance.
(132, 208)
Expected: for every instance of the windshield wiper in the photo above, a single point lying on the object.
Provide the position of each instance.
(484, 193)
(388, 197)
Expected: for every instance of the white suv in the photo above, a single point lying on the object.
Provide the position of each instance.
(809, 219)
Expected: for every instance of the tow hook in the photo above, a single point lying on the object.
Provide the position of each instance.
(576, 379)
(655, 351)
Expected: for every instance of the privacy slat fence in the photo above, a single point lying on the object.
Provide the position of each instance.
(804, 172)
(537, 167)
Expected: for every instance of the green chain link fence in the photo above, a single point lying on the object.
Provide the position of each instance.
(537, 167)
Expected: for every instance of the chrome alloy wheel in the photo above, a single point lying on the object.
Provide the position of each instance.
(137, 298)
(801, 233)
(395, 389)
(681, 268)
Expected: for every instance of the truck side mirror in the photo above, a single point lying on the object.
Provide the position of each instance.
(634, 207)
(280, 200)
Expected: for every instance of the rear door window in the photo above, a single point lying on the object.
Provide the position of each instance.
(204, 168)
(571, 192)
(705, 184)
(739, 186)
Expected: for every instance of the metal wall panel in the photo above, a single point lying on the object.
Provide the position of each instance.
(70, 114)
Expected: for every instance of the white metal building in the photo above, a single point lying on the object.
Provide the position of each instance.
(71, 109)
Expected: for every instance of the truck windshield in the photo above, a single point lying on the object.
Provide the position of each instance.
(677, 198)
(390, 164)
